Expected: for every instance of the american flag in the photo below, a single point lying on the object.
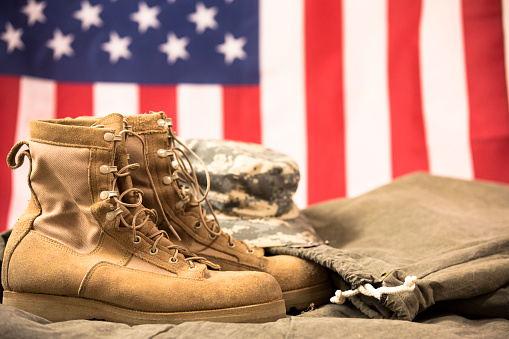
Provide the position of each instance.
(358, 92)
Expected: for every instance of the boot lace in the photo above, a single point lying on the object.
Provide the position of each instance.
(131, 198)
(183, 172)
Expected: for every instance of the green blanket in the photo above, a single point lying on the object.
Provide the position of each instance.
(452, 234)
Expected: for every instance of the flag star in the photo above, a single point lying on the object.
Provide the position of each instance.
(232, 48)
(12, 37)
(89, 15)
(117, 47)
(203, 17)
(61, 44)
(146, 17)
(34, 11)
(175, 48)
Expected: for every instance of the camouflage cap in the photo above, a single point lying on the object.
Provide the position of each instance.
(251, 191)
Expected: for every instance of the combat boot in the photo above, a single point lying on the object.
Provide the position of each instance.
(175, 194)
(87, 248)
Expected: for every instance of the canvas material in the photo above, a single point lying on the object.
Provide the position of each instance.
(65, 215)
(290, 272)
(37, 263)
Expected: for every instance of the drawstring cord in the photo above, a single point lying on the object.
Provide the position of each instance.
(370, 291)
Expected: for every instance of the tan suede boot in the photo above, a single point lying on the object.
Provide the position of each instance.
(173, 193)
(86, 248)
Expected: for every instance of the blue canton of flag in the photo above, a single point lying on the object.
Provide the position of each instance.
(212, 42)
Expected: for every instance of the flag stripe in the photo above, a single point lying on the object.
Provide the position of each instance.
(159, 98)
(115, 98)
(73, 100)
(241, 106)
(368, 147)
(489, 115)
(200, 111)
(505, 30)
(36, 102)
(282, 83)
(324, 100)
(407, 126)
(444, 90)
(9, 97)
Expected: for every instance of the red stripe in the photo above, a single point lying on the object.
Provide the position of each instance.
(159, 98)
(409, 151)
(324, 100)
(241, 111)
(487, 91)
(74, 100)
(9, 98)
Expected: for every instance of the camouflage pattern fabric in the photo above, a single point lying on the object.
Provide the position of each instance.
(251, 191)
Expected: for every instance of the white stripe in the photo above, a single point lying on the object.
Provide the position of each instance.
(367, 119)
(200, 111)
(36, 102)
(282, 89)
(120, 98)
(444, 90)
(505, 24)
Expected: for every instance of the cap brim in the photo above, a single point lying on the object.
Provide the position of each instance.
(270, 231)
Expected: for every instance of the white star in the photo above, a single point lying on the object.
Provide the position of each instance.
(12, 37)
(117, 47)
(34, 11)
(146, 17)
(61, 44)
(232, 48)
(203, 17)
(89, 15)
(175, 48)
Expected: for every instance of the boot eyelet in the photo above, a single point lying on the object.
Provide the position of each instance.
(111, 137)
(250, 251)
(105, 169)
(137, 239)
(164, 123)
(108, 136)
(192, 267)
(108, 194)
(153, 251)
(197, 224)
(167, 180)
(212, 236)
(173, 260)
(162, 153)
(110, 216)
(232, 245)
(181, 203)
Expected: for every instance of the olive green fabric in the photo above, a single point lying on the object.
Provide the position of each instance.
(19, 324)
(452, 234)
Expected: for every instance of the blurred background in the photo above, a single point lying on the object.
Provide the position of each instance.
(358, 92)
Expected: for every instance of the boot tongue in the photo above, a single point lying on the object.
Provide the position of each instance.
(114, 120)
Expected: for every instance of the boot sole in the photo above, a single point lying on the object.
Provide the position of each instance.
(60, 308)
(302, 298)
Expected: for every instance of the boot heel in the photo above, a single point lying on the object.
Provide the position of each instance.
(51, 307)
